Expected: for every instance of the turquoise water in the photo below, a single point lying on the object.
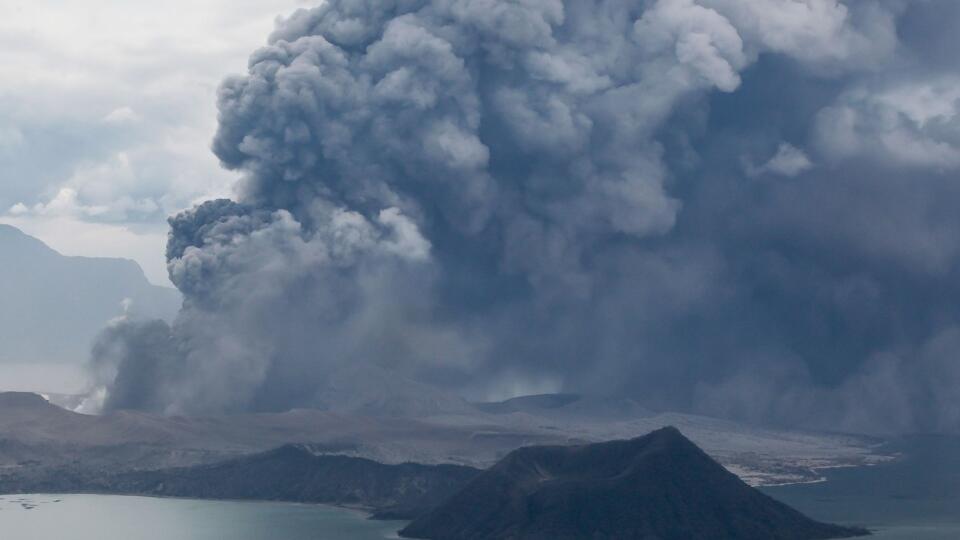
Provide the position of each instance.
(100, 517)
(914, 498)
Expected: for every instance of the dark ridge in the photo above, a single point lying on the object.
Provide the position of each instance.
(657, 487)
(292, 473)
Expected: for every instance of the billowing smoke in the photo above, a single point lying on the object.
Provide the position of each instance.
(745, 208)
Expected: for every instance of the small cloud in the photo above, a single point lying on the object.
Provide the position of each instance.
(407, 240)
(787, 161)
(121, 116)
(106, 191)
(19, 209)
(126, 305)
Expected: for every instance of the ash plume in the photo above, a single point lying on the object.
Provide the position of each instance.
(482, 196)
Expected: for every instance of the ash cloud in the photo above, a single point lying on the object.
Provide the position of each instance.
(471, 193)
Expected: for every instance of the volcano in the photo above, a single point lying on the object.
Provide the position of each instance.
(657, 487)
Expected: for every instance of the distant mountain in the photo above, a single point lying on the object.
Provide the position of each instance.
(53, 306)
(139, 440)
(124, 440)
(657, 487)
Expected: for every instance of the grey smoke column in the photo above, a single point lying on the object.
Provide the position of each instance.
(605, 196)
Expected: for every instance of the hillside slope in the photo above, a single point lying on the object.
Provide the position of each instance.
(53, 306)
(657, 487)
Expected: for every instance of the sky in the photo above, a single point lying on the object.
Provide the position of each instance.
(742, 208)
(107, 111)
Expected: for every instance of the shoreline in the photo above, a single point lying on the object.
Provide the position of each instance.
(819, 473)
(365, 512)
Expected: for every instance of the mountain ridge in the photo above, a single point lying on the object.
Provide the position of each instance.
(289, 473)
(659, 486)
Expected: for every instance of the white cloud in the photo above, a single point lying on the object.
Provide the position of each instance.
(109, 108)
(19, 209)
(912, 123)
(116, 190)
(924, 102)
(823, 33)
(121, 115)
(702, 40)
(787, 161)
(406, 239)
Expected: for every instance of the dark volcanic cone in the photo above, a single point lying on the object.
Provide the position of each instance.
(657, 487)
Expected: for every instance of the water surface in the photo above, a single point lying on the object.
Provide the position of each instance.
(914, 498)
(102, 517)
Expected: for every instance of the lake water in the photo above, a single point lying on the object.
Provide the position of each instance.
(99, 517)
(914, 498)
